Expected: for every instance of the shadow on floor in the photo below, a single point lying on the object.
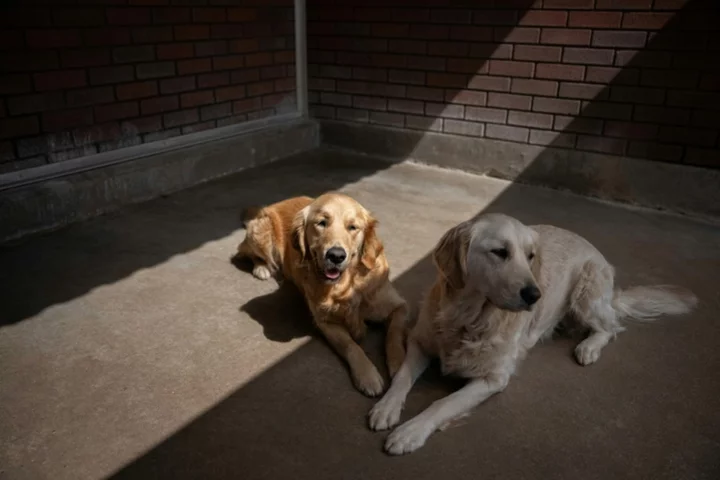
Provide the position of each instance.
(283, 314)
(638, 413)
(44, 270)
(650, 410)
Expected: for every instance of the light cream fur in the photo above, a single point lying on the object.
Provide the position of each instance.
(476, 322)
(292, 238)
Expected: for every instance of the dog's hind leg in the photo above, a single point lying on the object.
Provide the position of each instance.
(259, 246)
(591, 303)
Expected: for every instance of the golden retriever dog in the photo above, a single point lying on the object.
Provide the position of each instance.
(329, 248)
(501, 287)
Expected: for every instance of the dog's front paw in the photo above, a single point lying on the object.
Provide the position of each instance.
(262, 272)
(587, 353)
(369, 381)
(386, 413)
(408, 437)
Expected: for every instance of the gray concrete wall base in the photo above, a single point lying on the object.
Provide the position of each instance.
(56, 202)
(679, 188)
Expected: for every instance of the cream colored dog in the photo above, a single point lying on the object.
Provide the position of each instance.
(501, 287)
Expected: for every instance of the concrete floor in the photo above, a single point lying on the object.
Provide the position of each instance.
(131, 347)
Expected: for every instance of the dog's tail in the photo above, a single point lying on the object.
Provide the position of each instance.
(647, 303)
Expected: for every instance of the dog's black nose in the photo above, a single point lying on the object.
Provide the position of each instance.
(336, 255)
(530, 294)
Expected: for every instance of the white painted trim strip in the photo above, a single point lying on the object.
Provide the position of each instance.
(113, 157)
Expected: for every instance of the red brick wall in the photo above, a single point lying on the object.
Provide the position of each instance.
(84, 76)
(623, 77)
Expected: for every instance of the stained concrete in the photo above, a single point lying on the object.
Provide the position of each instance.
(131, 347)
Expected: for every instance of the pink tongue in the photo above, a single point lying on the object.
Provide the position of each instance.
(332, 274)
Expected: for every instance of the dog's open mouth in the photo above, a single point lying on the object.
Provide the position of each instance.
(332, 273)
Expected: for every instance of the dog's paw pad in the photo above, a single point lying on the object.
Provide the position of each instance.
(262, 272)
(586, 353)
(407, 438)
(385, 414)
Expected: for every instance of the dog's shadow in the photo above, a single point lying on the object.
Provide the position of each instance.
(282, 313)
(243, 264)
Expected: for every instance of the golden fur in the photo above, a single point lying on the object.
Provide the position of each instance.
(293, 237)
(479, 318)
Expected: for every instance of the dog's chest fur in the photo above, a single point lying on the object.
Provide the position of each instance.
(349, 300)
(476, 339)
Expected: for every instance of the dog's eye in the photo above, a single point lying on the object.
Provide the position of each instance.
(531, 256)
(322, 223)
(352, 228)
(500, 252)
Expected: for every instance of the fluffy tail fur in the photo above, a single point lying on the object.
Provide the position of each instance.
(647, 303)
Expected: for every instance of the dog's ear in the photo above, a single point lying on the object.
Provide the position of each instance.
(299, 240)
(372, 246)
(450, 255)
